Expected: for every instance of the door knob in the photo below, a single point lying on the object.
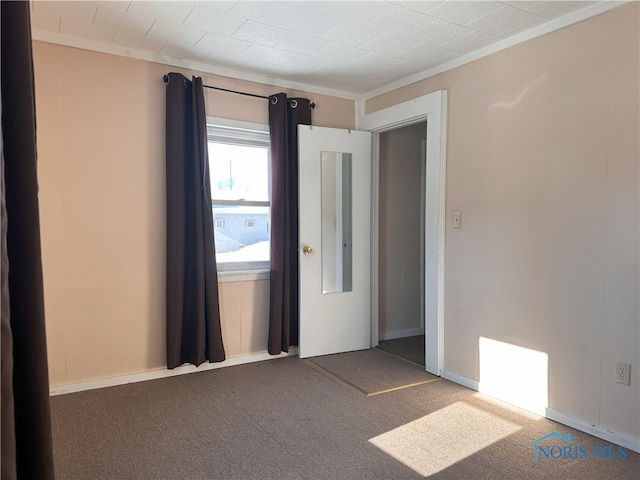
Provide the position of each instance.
(307, 250)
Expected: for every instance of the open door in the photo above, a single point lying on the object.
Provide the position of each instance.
(335, 240)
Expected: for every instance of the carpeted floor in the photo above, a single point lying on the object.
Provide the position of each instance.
(372, 371)
(410, 348)
(281, 419)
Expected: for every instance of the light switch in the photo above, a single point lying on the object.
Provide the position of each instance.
(457, 219)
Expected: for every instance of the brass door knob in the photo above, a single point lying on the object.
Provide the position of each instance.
(307, 250)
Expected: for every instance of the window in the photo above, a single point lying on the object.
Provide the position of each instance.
(239, 169)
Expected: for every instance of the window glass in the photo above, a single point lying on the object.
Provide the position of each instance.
(239, 170)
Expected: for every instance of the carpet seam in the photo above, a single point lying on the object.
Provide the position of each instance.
(402, 387)
(333, 376)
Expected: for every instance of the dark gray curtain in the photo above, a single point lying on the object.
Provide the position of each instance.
(193, 313)
(26, 423)
(284, 117)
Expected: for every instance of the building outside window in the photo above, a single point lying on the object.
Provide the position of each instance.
(239, 170)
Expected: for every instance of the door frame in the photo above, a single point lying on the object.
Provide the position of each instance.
(431, 108)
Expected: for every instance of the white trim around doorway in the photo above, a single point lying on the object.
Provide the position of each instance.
(431, 108)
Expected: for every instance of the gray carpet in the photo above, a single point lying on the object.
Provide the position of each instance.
(373, 371)
(410, 348)
(280, 419)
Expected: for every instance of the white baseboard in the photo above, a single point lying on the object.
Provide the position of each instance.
(460, 380)
(164, 373)
(401, 334)
(604, 433)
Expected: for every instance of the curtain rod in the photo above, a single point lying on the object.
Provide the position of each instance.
(235, 91)
(165, 78)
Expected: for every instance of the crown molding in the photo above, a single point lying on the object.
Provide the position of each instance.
(551, 26)
(74, 42)
(535, 32)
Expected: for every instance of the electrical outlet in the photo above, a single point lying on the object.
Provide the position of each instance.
(623, 373)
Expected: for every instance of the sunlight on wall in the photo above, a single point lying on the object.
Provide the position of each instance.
(514, 374)
(522, 94)
(443, 438)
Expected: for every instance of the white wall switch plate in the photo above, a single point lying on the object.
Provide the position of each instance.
(457, 219)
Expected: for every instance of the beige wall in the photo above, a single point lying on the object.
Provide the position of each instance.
(542, 159)
(400, 207)
(101, 169)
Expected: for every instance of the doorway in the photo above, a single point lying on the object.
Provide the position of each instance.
(431, 108)
(401, 166)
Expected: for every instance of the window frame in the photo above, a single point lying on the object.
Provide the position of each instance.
(235, 132)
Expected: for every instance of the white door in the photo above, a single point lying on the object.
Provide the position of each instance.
(335, 240)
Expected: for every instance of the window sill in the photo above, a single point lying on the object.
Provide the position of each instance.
(243, 276)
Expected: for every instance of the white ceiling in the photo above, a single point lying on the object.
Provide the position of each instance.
(352, 48)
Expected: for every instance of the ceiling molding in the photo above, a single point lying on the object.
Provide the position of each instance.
(535, 32)
(199, 67)
(279, 83)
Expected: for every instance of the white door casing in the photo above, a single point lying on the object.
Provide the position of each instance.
(334, 322)
(432, 108)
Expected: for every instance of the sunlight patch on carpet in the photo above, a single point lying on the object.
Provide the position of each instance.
(442, 438)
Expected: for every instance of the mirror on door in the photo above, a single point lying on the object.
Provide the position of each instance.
(336, 222)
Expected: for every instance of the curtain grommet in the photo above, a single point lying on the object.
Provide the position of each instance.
(293, 103)
(273, 100)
